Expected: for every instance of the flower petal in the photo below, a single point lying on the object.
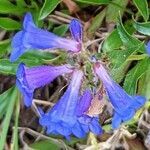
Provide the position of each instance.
(68, 102)
(116, 121)
(84, 102)
(32, 37)
(124, 104)
(29, 79)
(138, 101)
(18, 47)
(76, 30)
(95, 126)
(148, 48)
(77, 131)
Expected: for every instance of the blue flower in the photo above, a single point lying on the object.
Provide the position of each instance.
(28, 79)
(68, 116)
(32, 37)
(76, 30)
(148, 48)
(124, 105)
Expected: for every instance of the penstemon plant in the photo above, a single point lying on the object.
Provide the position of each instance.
(69, 116)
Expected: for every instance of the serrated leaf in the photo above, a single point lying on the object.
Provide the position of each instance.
(142, 7)
(130, 83)
(11, 97)
(94, 2)
(113, 10)
(143, 28)
(122, 56)
(96, 23)
(121, 64)
(48, 7)
(9, 24)
(127, 39)
(113, 41)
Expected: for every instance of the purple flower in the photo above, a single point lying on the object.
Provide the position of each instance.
(76, 30)
(124, 105)
(28, 79)
(67, 116)
(32, 37)
(148, 48)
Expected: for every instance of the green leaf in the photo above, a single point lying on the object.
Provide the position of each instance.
(94, 2)
(48, 7)
(130, 83)
(143, 28)
(96, 23)
(11, 97)
(142, 7)
(34, 57)
(21, 3)
(113, 10)
(121, 64)
(119, 73)
(4, 101)
(4, 46)
(112, 42)
(47, 145)
(144, 84)
(127, 39)
(9, 24)
(14, 141)
(61, 30)
(6, 67)
(30, 58)
(137, 57)
(7, 7)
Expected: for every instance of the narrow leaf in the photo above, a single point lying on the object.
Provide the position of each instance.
(61, 30)
(142, 7)
(130, 83)
(127, 39)
(7, 7)
(6, 122)
(4, 46)
(113, 10)
(143, 28)
(48, 7)
(94, 2)
(96, 23)
(9, 24)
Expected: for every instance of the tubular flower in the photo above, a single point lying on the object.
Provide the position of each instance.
(28, 79)
(67, 116)
(124, 105)
(32, 37)
(76, 30)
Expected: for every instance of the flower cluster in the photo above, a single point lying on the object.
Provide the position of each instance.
(69, 115)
